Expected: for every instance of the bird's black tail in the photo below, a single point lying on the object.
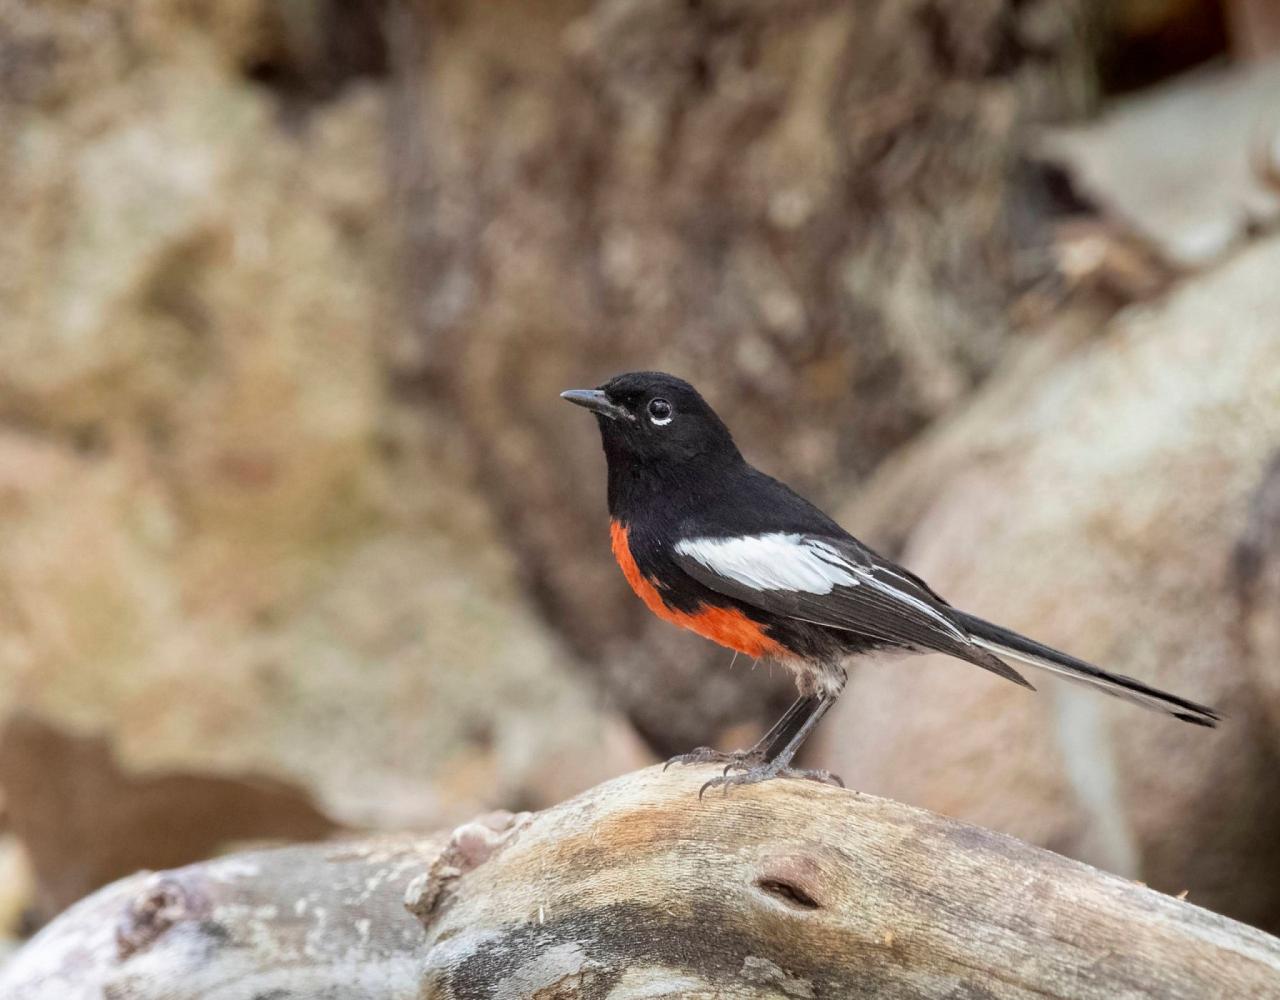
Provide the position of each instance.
(1004, 642)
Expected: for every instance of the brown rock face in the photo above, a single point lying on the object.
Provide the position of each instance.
(771, 199)
(1117, 508)
(1255, 570)
(224, 549)
(84, 823)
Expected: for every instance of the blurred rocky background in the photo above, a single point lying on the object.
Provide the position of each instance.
(297, 539)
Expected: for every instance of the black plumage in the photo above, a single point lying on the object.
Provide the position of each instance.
(715, 545)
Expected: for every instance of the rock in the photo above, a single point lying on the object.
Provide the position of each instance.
(1098, 508)
(1255, 570)
(1190, 166)
(766, 198)
(230, 556)
(84, 823)
(17, 892)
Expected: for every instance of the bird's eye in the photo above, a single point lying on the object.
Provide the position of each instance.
(659, 412)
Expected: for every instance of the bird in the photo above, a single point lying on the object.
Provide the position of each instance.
(712, 544)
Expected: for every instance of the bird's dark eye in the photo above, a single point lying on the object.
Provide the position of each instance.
(659, 411)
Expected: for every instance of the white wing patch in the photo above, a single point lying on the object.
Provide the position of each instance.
(775, 561)
(799, 563)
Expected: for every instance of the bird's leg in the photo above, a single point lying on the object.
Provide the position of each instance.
(778, 735)
(781, 736)
(779, 764)
(777, 738)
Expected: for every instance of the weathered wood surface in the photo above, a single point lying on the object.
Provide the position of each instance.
(639, 889)
(321, 920)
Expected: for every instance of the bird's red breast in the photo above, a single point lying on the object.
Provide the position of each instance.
(727, 626)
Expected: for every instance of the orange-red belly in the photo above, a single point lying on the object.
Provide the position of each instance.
(727, 626)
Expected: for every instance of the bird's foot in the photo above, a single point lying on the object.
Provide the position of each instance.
(766, 772)
(731, 759)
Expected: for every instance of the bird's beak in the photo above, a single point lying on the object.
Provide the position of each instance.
(597, 402)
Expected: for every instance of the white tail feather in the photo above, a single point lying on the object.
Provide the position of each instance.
(1088, 680)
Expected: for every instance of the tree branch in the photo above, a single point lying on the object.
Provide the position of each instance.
(639, 889)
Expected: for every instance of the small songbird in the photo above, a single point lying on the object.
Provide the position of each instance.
(715, 546)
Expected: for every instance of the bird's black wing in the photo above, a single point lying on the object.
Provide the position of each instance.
(834, 582)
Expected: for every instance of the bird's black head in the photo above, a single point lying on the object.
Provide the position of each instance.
(656, 426)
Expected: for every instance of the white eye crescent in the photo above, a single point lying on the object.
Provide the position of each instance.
(659, 412)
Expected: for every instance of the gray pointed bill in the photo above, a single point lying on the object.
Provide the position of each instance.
(597, 402)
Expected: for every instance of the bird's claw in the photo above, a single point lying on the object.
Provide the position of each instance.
(709, 755)
(766, 772)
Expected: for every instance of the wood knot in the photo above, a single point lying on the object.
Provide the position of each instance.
(470, 846)
(165, 900)
(794, 879)
(788, 892)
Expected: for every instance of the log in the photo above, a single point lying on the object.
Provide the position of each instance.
(638, 888)
(320, 920)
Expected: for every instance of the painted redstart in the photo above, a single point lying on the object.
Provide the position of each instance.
(714, 545)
